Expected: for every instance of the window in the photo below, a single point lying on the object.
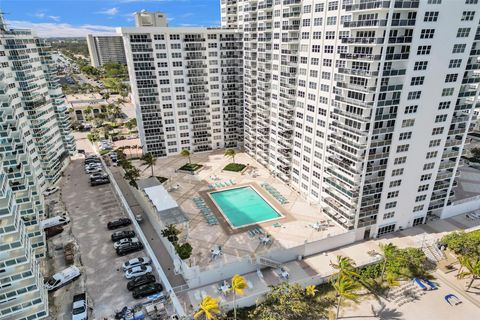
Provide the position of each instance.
(332, 5)
(452, 77)
(319, 7)
(455, 63)
(463, 32)
(420, 65)
(413, 95)
(418, 208)
(427, 33)
(434, 143)
(397, 172)
(405, 135)
(417, 81)
(317, 35)
(174, 37)
(390, 205)
(426, 177)
(421, 198)
(400, 160)
(331, 21)
(395, 183)
(388, 215)
(441, 118)
(386, 229)
(459, 48)
(423, 50)
(468, 15)
(447, 92)
(317, 21)
(411, 109)
(444, 105)
(307, 9)
(431, 16)
(431, 154)
(306, 22)
(392, 194)
(403, 148)
(434, 2)
(436, 131)
(408, 123)
(423, 187)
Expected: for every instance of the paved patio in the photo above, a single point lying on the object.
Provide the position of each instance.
(294, 230)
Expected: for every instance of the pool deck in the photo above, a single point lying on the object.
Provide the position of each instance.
(293, 230)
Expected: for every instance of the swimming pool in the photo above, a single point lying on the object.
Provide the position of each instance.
(243, 206)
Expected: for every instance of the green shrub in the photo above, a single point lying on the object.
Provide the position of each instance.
(191, 167)
(463, 243)
(184, 251)
(235, 167)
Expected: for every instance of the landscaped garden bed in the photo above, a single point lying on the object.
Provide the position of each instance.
(190, 167)
(234, 167)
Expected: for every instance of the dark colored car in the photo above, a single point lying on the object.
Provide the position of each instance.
(146, 290)
(98, 182)
(129, 248)
(119, 235)
(53, 231)
(140, 281)
(115, 224)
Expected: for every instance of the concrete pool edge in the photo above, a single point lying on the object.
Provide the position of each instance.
(251, 186)
(263, 193)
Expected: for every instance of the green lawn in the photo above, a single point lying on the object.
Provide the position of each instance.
(235, 167)
(190, 167)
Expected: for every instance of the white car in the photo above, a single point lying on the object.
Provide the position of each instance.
(99, 174)
(125, 241)
(137, 271)
(136, 262)
(50, 191)
(94, 170)
(93, 165)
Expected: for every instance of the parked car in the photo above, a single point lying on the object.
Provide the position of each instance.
(119, 235)
(94, 170)
(54, 221)
(125, 241)
(140, 281)
(129, 248)
(146, 290)
(50, 191)
(136, 262)
(99, 175)
(62, 278)
(80, 307)
(122, 222)
(91, 166)
(97, 182)
(138, 271)
(53, 231)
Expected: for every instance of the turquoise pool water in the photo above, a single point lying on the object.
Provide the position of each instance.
(243, 206)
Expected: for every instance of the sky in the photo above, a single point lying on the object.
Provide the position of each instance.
(77, 18)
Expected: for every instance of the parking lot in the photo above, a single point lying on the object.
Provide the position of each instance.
(90, 209)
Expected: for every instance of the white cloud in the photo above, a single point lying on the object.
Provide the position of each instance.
(39, 14)
(47, 29)
(54, 18)
(109, 12)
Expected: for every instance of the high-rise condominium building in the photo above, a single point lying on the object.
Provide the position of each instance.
(362, 106)
(187, 87)
(34, 147)
(105, 49)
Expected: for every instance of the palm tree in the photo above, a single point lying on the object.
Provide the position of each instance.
(129, 148)
(186, 153)
(387, 250)
(346, 290)
(311, 291)
(472, 264)
(231, 154)
(238, 285)
(208, 308)
(345, 267)
(132, 175)
(149, 160)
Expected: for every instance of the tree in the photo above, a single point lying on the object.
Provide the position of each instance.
(289, 302)
(171, 233)
(472, 266)
(185, 153)
(238, 285)
(131, 124)
(184, 251)
(129, 148)
(132, 175)
(346, 267)
(346, 290)
(208, 308)
(311, 291)
(230, 153)
(475, 153)
(149, 161)
(387, 251)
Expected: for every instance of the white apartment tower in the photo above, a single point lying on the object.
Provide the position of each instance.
(362, 106)
(34, 147)
(105, 49)
(187, 87)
